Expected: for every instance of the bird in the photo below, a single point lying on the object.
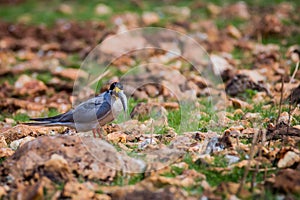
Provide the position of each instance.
(90, 114)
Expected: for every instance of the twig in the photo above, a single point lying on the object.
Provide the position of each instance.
(290, 99)
(294, 73)
(280, 105)
(290, 108)
(256, 171)
(151, 134)
(238, 142)
(280, 101)
(263, 170)
(254, 140)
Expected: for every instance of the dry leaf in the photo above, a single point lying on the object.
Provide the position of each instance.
(289, 159)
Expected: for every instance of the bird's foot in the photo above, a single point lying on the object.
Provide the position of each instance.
(98, 131)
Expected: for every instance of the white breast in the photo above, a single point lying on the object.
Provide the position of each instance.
(117, 108)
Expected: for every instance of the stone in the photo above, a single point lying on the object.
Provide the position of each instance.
(102, 9)
(150, 18)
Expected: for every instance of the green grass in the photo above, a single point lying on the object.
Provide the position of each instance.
(222, 23)
(2, 159)
(45, 13)
(11, 79)
(271, 39)
(52, 112)
(73, 61)
(175, 171)
(2, 117)
(131, 104)
(248, 95)
(48, 14)
(60, 186)
(45, 77)
(244, 56)
(20, 117)
(265, 113)
(174, 117)
(185, 119)
(135, 179)
(214, 178)
(122, 180)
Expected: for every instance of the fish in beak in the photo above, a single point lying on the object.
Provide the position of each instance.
(123, 99)
(117, 89)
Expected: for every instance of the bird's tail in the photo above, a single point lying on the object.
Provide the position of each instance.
(47, 119)
(45, 123)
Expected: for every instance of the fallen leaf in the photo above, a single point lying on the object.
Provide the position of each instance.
(26, 85)
(290, 158)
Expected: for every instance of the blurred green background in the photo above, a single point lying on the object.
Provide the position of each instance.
(47, 12)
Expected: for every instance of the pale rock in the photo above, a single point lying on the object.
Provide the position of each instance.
(9, 120)
(254, 75)
(56, 160)
(214, 9)
(297, 127)
(239, 9)
(20, 142)
(148, 141)
(179, 12)
(6, 152)
(284, 117)
(25, 18)
(27, 85)
(220, 64)
(3, 143)
(231, 159)
(65, 9)
(289, 159)
(150, 18)
(182, 165)
(102, 9)
(252, 116)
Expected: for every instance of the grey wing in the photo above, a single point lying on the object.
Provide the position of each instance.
(92, 110)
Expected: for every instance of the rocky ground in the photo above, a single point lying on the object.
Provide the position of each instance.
(189, 136)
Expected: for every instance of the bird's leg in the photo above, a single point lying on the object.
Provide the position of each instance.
(99, 131)
(94, 132)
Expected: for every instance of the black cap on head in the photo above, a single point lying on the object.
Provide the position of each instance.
(296, 51)
(116, 84)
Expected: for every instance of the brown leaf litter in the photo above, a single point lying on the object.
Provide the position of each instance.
(63, 160)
